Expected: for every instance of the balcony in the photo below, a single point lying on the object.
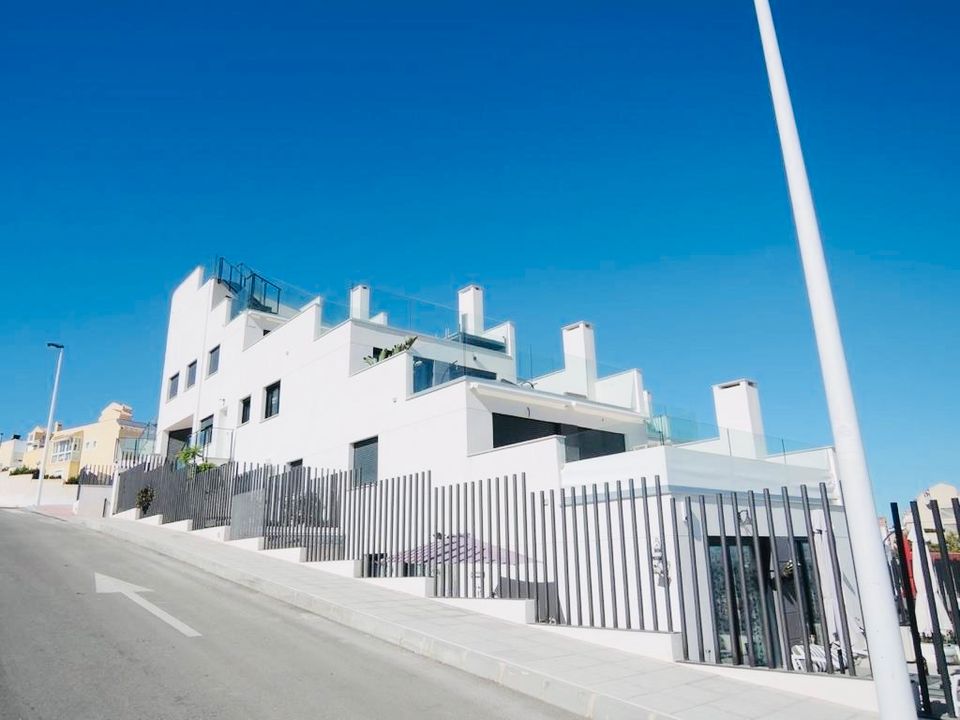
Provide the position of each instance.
(428, 373)
(250, 290)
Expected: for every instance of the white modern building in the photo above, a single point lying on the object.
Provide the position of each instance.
(257, 372)
(253, 374)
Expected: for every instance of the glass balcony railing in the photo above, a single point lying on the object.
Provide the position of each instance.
(428, 373)
(665, 429)
(420, 317)
(479, 341)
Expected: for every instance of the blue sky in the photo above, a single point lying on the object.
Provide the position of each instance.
(612, 162)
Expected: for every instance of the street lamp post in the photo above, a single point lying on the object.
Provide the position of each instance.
(887, 659)
(48, 438)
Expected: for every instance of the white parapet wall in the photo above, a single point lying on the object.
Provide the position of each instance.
(152, 520)
(343, 568)
(419, 586)
(180, 525)
(255, 543)
(220, 533)
(94, 501)
(659, 645)
(858, 693)
(131, 514)
(21, 491)
(293, 554)
(518, 611)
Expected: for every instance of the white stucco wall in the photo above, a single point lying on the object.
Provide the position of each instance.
(330, 397)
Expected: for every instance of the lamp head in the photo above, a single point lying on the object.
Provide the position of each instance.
(55, 345)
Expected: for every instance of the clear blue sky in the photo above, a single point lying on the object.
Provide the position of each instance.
(614, 162)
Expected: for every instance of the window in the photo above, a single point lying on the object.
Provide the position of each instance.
(245, 410)
(213, 361)
(191, 374)
(365, 460)
(173, 386)
(64, 449)
(205, 433)
(581, 443)
(271, 400)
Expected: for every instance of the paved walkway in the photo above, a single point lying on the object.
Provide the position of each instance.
(581, 677)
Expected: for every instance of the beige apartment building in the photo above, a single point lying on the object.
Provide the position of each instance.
(97, 443)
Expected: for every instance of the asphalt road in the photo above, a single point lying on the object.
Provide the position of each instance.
(69, 652)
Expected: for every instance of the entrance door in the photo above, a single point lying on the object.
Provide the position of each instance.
(177, 440)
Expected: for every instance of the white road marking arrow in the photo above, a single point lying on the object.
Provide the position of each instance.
(107, 584)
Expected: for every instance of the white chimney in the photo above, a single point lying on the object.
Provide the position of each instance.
(360, 302)
(580, 358)
(737, 406)
(470, 308)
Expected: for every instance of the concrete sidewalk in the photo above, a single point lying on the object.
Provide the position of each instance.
(580, 677)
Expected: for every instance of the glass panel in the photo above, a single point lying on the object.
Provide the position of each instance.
(206, 431)
(428, 373)
(720, 605)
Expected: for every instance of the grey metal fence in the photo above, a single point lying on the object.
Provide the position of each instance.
(745, 579)
(761, 580)
(926, 580)
(96, 475)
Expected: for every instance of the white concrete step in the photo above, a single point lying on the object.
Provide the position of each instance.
(343, 568)
(220, 533)
(254, 543)
(180, 525)
(294, 554)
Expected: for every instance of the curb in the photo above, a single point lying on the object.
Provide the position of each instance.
(557, 692)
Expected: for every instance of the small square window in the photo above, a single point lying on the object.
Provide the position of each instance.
(245, 410)
(213, 361)
(173, 386)
(271, 400)
(191, 374)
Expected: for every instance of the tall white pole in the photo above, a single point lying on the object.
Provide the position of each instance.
(48, 438)
(887, 660)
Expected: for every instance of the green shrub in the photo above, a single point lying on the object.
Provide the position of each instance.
(145, 498)
(24, 470)
(72, 480)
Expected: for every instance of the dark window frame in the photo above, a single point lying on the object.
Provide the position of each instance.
(191, 375)
(269, 410)
(213, 361)
(246, 408)
(205, 432)
(373, 471)
(173, 386)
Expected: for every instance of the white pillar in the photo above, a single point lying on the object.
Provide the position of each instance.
(580, 359)
(360, 302)
(737, 408)
(887, 660)
(470, 309)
